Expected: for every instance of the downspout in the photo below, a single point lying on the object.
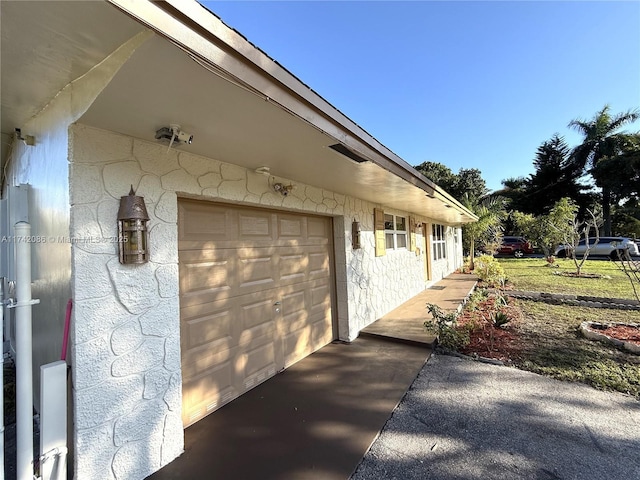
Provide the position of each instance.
(24, 372)
(2, 379)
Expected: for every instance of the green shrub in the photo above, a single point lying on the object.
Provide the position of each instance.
(500, 318)
(444, 326)
(478, 296)
(490, 271)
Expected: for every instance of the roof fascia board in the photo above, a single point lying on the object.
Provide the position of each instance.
(204, 36)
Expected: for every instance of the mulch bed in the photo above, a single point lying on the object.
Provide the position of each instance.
(487, 340)
(624, 333)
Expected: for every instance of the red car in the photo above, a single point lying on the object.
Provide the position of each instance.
(516, 246)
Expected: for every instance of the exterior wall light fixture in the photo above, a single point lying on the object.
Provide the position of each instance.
(355, 235)
(133, 236)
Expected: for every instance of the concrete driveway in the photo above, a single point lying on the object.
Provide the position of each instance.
(463, 419)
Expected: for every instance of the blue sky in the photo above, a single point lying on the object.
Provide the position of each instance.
(473, 84)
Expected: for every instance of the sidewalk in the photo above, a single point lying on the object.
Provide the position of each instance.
(469, 420)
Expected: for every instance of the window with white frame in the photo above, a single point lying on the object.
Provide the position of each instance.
(395, 231)
(438, 244)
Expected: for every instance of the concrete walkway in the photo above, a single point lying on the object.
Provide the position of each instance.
(468, 420)
(406, 321)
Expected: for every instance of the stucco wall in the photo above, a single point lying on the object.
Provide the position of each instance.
(126, 337)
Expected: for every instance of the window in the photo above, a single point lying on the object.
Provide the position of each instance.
(395, 231)
(438, 245)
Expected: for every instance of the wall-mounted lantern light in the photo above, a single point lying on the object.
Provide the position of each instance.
(133, 238)
(355, 235)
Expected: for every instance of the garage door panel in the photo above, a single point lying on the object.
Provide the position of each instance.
(256, 271)
(319, 229)
(293, 267)
(205, 276)
(207, 392)
(257, 361)
(318, 265)
(294, 303)
(210, 358)
(255, 312)
(200, 222)
(320, 294)
(255, 225)
(254, 298)
(206, 328)
(297, 346)
(291, 227)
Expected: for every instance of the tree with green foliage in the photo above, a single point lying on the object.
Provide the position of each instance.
(549, 230)
(515, 191)
(438, 173)
(554, 177)
(466, 181)
(491, 211)
(621, 172)
(602, 140)
(469, 182)
(581, 230)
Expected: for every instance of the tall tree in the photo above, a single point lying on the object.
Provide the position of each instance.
(491, 211)
(469, 181)
(554, 178)
(438, 173)
(550, 230)
(621, 173)
(602, 139)
(466, 181)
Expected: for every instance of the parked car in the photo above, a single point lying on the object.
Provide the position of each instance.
(606, 247)
(516, 246)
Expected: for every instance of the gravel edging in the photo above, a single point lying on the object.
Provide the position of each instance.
(576, 300)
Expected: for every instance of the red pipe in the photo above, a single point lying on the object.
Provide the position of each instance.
(65, 338)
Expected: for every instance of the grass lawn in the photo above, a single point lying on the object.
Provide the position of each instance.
(549, 339)
(533, 274)
(554, 346)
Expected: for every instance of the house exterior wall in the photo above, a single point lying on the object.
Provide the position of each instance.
(127, 381)
(44, 171)
(454, 260)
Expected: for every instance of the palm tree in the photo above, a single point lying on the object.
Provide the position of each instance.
(601, 140)
(491, 212)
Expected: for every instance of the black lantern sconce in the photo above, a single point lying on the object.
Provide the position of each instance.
(355, 235)
(133, 237)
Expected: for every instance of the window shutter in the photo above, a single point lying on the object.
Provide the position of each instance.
(378, 230)
(412, 234)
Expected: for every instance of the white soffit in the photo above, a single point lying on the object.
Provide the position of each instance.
(47, 44)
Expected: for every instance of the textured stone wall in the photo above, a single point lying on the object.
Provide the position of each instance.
(126, 345)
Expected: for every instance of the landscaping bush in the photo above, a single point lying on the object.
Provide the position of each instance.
(490, 271)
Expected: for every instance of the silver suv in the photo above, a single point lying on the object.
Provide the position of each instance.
(612, 247)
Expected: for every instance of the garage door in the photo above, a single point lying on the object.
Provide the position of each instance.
(255, 297)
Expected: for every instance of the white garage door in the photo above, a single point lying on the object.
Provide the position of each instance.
(255, 297)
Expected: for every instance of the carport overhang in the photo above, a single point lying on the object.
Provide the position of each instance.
(240, 105)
